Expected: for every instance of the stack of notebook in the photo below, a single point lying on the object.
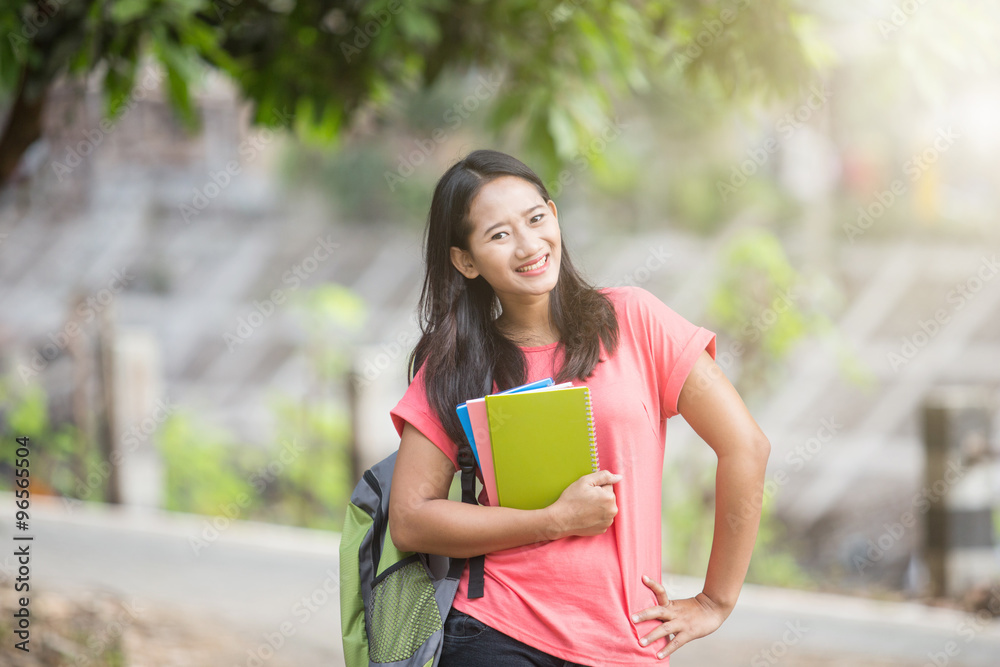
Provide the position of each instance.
(531, 442)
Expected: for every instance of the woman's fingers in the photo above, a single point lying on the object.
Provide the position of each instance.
(662, 609)
(602, 478)
(678, 640)
(587, 506)
(683, 620)
(675, 621)
(657, 613)
(663, 630)
(658, 590)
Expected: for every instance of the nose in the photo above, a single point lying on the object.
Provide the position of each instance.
(529, 244)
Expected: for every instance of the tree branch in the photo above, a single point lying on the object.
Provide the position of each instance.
(23, 127)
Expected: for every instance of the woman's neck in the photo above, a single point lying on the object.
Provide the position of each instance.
(527, 320)
(528, 337)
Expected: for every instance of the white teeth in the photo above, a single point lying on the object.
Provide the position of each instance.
(534, 266)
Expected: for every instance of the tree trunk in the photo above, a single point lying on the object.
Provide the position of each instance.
(109, 431)
(23, 127)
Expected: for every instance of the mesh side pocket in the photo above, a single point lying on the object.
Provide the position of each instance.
(404, 613)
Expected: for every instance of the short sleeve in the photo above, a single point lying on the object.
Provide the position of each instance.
(674, 343)
(415, 408)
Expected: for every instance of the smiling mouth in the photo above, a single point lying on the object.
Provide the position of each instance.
(537, 265)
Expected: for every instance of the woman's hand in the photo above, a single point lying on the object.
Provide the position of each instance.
(585, 507)
(422, 518)
(685, 619)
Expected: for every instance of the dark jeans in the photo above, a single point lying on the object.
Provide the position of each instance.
(468, 642)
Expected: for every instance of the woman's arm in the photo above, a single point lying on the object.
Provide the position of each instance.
(421, 518)
(714, 409)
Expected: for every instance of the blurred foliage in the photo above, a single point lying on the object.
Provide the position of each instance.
(689, 524)
(314, 65)
(305, 477)
(688, 516)
(56, 457)
(692, 200)
(318, 482)
(774, 562)
(206, 468)
(353, 180)
(332, 316)
(764, 307)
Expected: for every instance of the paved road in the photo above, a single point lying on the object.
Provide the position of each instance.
(275, 586)
(279, 586)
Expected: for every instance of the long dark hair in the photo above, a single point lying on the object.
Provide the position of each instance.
(464, 350)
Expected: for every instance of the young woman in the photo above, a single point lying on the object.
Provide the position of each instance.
(578, 581)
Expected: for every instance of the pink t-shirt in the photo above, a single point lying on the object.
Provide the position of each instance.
(573, 597)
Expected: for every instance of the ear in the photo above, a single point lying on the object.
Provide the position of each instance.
(552, 207)
(462, 261)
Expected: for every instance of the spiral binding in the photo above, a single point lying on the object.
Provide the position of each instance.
(595, 460)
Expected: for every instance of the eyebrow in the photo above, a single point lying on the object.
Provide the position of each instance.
(523, 213)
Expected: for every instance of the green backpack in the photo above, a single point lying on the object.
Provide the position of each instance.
(393, 603)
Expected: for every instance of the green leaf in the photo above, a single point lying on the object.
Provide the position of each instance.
(180, 63)
(287, 53)
(333, 306)
(418, 27)
(563, 132)
(125, 11)
(30, 416)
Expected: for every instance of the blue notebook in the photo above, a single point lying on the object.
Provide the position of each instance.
(463, 412)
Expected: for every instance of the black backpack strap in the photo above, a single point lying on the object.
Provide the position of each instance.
(466, 462)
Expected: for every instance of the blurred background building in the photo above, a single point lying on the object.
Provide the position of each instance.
(218, 321)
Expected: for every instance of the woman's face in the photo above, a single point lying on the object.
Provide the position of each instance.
(513, 228)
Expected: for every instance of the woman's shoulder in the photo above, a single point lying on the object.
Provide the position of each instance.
(630, 297)
(619, 293)
(642, 309)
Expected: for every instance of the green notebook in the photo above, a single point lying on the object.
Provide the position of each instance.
(542, 442)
